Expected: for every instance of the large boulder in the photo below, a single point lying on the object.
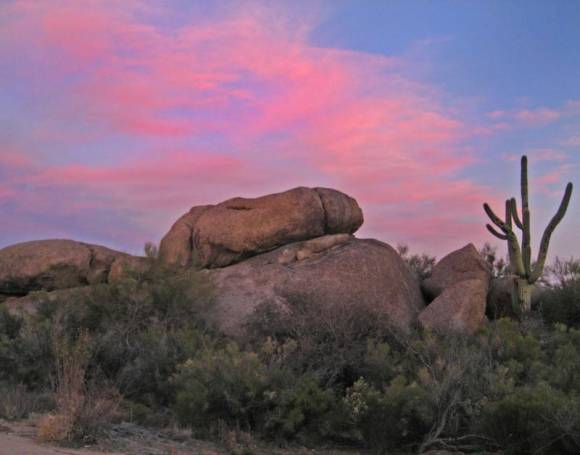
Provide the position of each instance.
(463, 264)
(53, 264)
(335, 270)
(459, 309)
(221, 235)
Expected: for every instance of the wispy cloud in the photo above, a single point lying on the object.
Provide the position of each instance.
(124, 115)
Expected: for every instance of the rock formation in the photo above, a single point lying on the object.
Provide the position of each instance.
(458, 285)
(460, 308)
(295, 246)
(57, 264)
(463, 264)
(220, 235)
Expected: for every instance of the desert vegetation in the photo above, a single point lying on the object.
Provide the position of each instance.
(144, 349)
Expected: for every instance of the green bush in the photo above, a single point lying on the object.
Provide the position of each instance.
(331, 342)
(534, 419)
(221, 385)
(306, 411)
(309, 374)
(561, 304)
(141, 327)
(397, 416)
(25, 352)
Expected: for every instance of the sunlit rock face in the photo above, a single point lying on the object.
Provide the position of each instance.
(224, 234)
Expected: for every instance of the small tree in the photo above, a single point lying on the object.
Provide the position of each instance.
(525, 275)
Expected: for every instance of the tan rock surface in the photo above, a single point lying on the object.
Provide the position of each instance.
(176, 247)
(348, 274)
(53, 264)
(460, 308)
(220, 235)
(463, 264)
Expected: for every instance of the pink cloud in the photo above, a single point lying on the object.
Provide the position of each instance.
(286, 113)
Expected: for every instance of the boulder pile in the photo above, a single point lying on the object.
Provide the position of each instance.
(297, 245)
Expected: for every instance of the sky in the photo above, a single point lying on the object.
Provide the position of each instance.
(118, 116)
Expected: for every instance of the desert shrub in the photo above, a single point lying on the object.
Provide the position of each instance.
(84, 407)
(498, 265)
(511, 345)
(562, 272)
(304, 410)
(141, 328)
(9, 325)
(561, 301)
(534, 419)
(221, 385)
(420, 264)
(25, 353)
(330, 342)
(235, 389)
(391, 418)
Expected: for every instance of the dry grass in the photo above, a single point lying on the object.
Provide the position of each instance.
(83, 407)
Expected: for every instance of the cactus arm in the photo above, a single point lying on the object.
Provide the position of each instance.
(515, 254)
(545, 243)
(508, 214)
(494, 232)
(526, 230)
(515, 216)
(496, 219)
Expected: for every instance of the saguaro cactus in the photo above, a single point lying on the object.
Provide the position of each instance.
(524, 273)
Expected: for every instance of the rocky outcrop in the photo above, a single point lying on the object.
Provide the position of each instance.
(460, 308)
(55, 264)
(279, 249)
(333, 270)
(221, 235)
(463, 264)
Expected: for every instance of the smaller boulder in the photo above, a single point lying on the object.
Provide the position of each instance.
(53, 264)
(459, 309)
(463, 264)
